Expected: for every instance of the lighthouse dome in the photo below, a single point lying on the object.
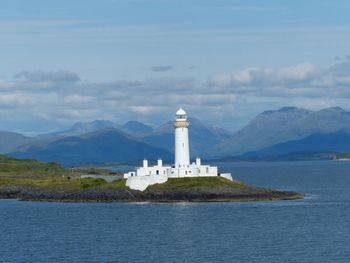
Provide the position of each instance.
(180, 112)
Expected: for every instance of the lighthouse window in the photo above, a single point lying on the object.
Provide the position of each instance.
(183, 145)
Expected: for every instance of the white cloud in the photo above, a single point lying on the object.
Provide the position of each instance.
(297, 81)
(75, 98)
(294, 75)
(227, 99)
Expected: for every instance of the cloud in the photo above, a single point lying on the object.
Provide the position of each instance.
(61, 76)
(75, 98)
(299, 80)
(67, 100)
(162, 68)
(4, 85)
(249, 77)
(225, 99)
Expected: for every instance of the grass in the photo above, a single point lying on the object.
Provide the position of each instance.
(15, 167)
(32, 173)
(193, 182)
(78, 183)
(61, 183)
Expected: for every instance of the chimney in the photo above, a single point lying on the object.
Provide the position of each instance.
(160, 162)
(198, 161)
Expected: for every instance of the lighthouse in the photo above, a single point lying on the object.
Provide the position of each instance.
(182, 148)
(159, 173)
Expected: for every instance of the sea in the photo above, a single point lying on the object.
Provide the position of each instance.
(313, 229)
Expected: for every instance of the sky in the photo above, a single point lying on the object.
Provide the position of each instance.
(222, 61)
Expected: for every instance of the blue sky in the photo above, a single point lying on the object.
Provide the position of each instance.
(224, 61)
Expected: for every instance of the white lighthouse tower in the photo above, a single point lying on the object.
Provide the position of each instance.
(159, 173)
(182, 148)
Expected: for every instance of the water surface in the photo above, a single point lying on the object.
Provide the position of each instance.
(315, 229)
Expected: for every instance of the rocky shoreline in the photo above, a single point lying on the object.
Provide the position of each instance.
(196, 194)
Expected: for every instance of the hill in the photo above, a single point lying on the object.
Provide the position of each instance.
(79, 128)
(201, 136)
(286, 124)
(265, 130)
(136, 128)
(28, 167)
(336, 142)
(104, 146)
(67, 146)
(11, 141)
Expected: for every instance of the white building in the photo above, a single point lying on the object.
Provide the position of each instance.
(148, 175)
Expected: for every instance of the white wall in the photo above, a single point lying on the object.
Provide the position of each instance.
(182, 148)
(142, 182)
(227, 176)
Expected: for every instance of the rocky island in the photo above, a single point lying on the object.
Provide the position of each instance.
(33, 180)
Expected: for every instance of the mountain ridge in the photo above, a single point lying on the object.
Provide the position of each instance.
(269, 128)
(273, 127)
(99, 147)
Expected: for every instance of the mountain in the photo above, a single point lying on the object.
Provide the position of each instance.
(136, 128)
(103, 146)
(221, 133)
(80, 128)
(266, 133)
(70, 146)
(201, 136)
(10, 141)
(315, 143)
(274, 127)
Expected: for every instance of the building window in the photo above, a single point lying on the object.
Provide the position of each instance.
(157, 172)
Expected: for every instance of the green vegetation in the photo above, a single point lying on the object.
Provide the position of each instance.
(93, 170)
(28, 167)
(32, 168)
(78, 183)
(61, 183)
(101, 183)
(343, 156)
(32, 173)
(192, 182)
